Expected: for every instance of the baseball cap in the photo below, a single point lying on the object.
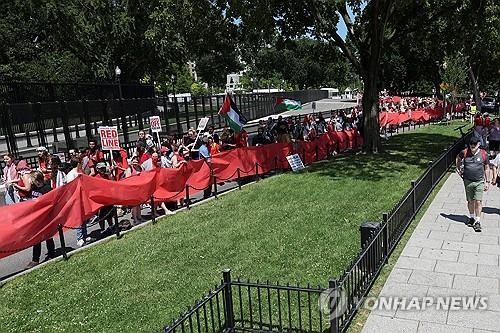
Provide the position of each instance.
(100, 165)
(474, 140)
(42, 149)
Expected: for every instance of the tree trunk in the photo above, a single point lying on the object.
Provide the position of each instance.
(475, 87)
(371, 129)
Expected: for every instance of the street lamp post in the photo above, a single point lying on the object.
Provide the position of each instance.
(118, 73)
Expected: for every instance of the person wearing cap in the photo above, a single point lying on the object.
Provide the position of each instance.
(166, 157)
(472, 165)
(205, 154)
(44, 162)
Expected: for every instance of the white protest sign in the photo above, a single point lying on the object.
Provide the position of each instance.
(155, 123)
(109, 137)
(295, 162)
(203, 123)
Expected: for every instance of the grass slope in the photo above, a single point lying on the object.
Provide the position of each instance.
(295, 227)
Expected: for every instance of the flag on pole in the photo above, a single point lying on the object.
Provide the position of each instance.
(284, 104)
(234, 118)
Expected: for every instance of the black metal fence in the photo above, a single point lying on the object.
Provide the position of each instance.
(244, 306)
(24, 92)
(67, 124)
(264, 307)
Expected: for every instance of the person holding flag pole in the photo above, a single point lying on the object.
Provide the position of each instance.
(230, 112)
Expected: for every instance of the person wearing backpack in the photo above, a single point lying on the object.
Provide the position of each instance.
(472, 166)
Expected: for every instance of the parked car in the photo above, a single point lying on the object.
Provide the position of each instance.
(489, 104)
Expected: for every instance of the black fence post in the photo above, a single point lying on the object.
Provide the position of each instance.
(62, 241)
(385, 218)
(86, 116)
(186, 111)
(177, 117)
(64, 118)
(117, 225)
(256, 171)
(153, 209)
(165, 115)
(195, 107)
(54, 120)
(124, 121)
(28, 137)
(414, 196)
(228, 299)
(432, 173)
(187, 197)
(214, 180)
(332, 305)
(11, 139)
(239, 178)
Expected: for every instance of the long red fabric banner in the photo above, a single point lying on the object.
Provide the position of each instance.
(28, 223)
(394, 118)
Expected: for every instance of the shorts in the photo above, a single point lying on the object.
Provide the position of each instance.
(495, 162)
(474, 190)
(494, 145)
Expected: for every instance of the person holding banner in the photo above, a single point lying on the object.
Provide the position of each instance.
(134, 170)
(105, 213)
(120, 163)
(205, 154)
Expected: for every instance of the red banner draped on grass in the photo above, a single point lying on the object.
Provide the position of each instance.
(28, 223)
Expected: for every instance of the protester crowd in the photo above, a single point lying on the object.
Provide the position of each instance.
(25, 183)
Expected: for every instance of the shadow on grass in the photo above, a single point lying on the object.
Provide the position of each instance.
(399, 152)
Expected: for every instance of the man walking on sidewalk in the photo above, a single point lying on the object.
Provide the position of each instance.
(472, 166)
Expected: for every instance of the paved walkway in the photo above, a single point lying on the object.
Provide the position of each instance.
(444, 257)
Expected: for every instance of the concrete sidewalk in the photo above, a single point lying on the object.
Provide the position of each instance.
(444, 257)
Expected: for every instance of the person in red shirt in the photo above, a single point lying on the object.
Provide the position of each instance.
(142, 154)
(95, 155)
(44, 162)
(241, 139)
(120, 163)
(214, 147)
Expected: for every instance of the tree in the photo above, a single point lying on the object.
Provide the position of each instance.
(367, 36)
(455, 75)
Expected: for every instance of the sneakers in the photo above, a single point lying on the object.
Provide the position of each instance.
(80, 242)
(477, 227)
(470, 222)
(32, 264)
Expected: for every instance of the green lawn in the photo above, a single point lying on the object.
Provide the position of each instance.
(295, 227)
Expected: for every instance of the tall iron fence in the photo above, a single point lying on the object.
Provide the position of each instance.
(264, 307)
(69, 124)
(24, 92)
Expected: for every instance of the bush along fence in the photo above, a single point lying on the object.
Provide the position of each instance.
(244, 306)
(70, 123)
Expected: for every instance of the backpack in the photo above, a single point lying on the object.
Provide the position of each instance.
(483, 153)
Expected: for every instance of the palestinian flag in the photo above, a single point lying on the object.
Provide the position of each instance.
(234, 118)
(283, 104)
